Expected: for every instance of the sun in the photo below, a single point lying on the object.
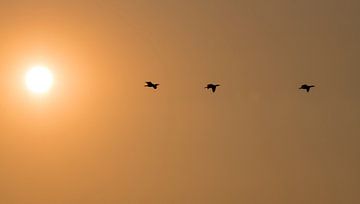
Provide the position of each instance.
(39, 79)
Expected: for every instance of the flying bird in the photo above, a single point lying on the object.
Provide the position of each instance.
(151, 85)
(212, 87)
(306, 87)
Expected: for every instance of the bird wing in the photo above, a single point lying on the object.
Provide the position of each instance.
(213, 88)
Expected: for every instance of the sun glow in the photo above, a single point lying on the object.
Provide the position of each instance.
(39, 79)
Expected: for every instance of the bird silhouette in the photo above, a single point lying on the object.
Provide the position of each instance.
(306, 87)
(212, 87)
(151, 85)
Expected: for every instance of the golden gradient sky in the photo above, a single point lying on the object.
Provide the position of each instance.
(100, 137)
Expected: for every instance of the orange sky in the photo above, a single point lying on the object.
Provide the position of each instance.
(100, 137)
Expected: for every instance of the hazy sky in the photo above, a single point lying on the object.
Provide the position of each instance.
(100, 137)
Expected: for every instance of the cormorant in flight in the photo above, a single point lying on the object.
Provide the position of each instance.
(151, 85)
(306, 87)
(212, 87)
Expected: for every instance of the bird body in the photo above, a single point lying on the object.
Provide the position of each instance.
(212, 87)
(306, 87)
(151, 85)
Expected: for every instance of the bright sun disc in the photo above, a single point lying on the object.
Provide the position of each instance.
(39, 79)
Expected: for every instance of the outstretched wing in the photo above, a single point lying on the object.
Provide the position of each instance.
(213, 88)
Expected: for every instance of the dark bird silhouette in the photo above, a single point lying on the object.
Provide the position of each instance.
(151, 85)
(212, 87)
(306, 87)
